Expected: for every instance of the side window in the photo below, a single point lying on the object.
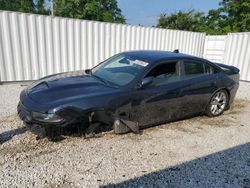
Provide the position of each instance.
(208, 69)
(195, 69)
(164, 73)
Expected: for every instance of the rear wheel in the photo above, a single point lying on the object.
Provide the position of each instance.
(218, 104)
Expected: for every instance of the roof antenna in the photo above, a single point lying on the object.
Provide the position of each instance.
(176, 51)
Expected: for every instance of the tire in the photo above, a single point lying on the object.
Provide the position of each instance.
(218, 103)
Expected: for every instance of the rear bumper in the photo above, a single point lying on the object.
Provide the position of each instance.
(233, 92)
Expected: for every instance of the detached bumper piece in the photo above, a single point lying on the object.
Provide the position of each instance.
(122, 126)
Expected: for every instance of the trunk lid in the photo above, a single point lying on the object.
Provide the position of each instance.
(231, 71)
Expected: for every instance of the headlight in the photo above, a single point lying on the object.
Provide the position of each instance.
(50, 118)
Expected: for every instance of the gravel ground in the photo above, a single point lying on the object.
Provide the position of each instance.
(198, 152)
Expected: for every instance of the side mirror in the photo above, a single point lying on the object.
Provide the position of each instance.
(146, 81)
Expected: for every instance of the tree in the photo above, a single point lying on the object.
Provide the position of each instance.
(27, 6)
(41, 8)
(68, 8)
(105, 10)
(12, 5)
(18, 5)
(216, 22)
(231, 16)
(100, 10)
(238, 14)
(183, 20)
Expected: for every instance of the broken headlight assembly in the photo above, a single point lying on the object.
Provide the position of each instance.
(47, 118)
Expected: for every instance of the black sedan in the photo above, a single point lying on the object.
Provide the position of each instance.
(130, 91)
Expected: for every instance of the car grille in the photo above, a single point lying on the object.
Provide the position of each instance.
(23, 113)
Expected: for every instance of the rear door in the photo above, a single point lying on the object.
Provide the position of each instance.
(199, 83)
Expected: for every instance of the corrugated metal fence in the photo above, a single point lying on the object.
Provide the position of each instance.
(237, 53)
(215, 47)
(33, 46)
(232, 49)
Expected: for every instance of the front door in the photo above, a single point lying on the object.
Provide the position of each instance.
(161, 100)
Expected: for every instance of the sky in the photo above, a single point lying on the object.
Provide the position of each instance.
(145, 12)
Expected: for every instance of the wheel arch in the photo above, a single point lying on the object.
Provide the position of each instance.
(228, 92)
(92, 115)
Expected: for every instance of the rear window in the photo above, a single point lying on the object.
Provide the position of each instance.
(195, 69)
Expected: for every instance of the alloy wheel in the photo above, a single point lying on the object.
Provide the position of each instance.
(218, 103)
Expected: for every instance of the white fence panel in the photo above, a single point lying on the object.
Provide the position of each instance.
(33, 46)
(232, 49)
(214, 48)
(237, 53)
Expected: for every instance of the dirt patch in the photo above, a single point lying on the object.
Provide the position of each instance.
(229, 118)
(29, 147)
(110, 158)
(27, 143)
(191, 126)
(8, 119)
(194, 124)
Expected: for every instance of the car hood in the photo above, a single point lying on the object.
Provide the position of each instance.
(65, 87)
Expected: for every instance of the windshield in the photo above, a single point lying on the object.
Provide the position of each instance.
(119, 69)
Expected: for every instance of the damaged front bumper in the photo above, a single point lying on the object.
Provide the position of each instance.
(35, 120)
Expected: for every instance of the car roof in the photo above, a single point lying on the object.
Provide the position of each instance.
(152, 56)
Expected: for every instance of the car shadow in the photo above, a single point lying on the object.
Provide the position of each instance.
(75, 130)
(227, 168)
(79, 130)
(8, 135)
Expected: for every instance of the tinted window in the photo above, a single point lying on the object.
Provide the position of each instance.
(195, 69)
(164, 73)
(208, 69)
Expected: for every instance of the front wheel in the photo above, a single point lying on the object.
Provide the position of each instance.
(217, 104)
